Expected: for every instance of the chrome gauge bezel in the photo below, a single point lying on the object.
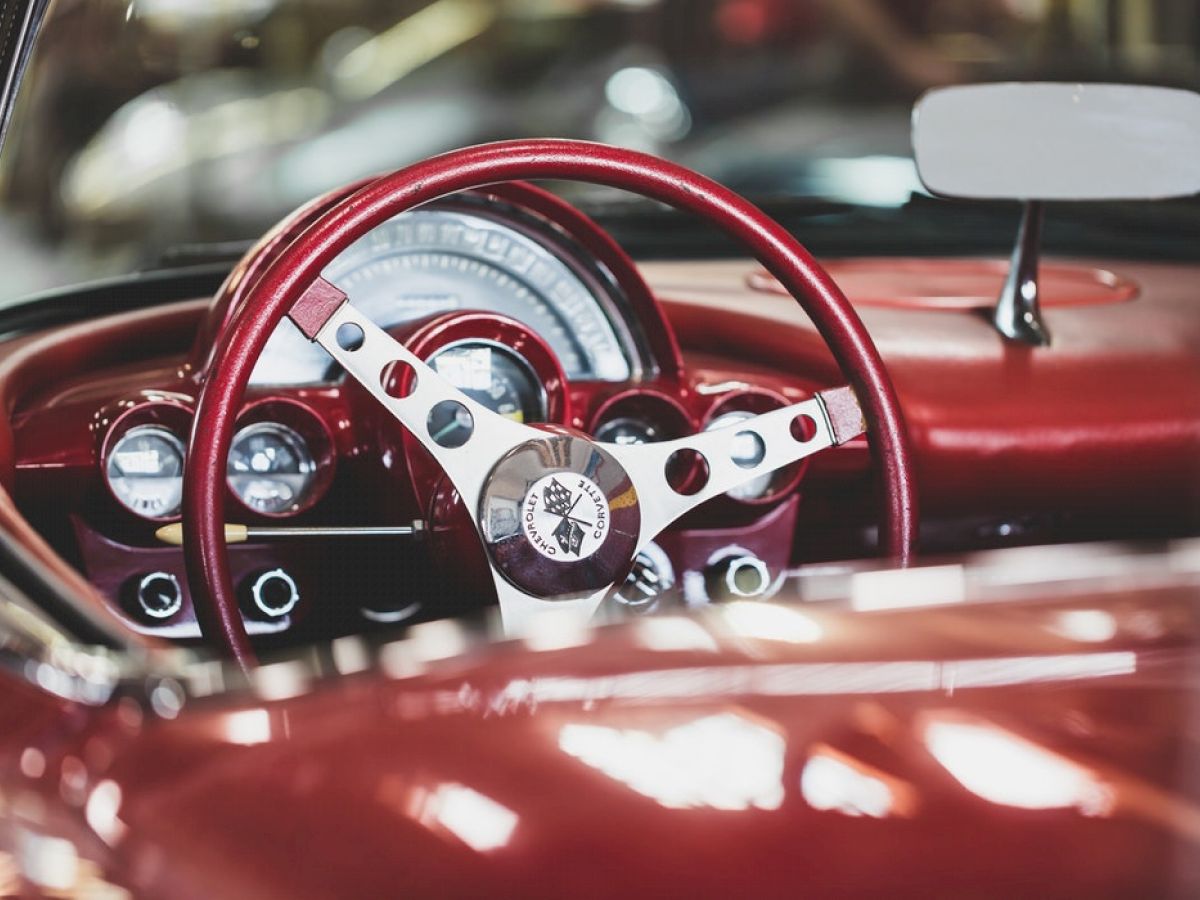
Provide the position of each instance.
(122, 495)
(297, 445)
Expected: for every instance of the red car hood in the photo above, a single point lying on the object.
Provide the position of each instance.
(1010, 749)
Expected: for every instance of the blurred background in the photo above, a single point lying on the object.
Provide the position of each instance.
(146, 126)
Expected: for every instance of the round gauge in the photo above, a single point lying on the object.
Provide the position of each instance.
(748, 452)
(271, 469)
(431, 261)
(627, 430)
(495, 376)
(144, 470)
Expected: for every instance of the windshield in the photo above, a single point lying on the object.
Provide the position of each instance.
(147, 126)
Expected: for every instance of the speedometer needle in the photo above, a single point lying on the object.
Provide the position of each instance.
(445, 430)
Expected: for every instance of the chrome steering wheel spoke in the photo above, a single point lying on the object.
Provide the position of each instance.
(524, 615)
(782, 436)
(483, 439)
(561, 516)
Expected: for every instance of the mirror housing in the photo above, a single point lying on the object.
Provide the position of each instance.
(1058, 142)
(1047, 141)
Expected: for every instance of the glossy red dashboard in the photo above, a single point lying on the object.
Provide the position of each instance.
(76, 393)
(1098, 436)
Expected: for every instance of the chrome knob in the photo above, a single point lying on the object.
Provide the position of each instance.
(274, 593)
(737, 576)
(159, 595)
(651, 576)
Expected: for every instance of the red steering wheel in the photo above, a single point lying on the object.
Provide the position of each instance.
(561, 516)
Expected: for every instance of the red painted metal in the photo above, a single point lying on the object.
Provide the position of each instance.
(301, 263)
(949, 284)
(114, 568)
(1103, 427)
(801, 769)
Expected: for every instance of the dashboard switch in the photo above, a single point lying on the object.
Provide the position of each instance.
(736, 577)
(650, 578)
(159, 595)
(273, 593)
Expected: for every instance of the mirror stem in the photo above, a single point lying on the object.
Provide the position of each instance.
(1018, 315)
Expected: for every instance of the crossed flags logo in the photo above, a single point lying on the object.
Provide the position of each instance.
(565, 516)
(561, 502)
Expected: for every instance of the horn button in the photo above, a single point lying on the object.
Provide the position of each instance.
(559, 517)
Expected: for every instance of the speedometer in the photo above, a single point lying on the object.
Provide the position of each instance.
(495, 376)
(430, 261)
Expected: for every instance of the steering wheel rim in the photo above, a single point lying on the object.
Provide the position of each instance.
(299, 266)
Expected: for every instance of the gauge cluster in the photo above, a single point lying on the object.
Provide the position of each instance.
(641, 417)
(280, 462)
(530, 311)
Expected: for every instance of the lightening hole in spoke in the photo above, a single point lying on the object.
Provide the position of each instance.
(398, 379)
(804, 428)
(350, 337)
(450, 424)
(686, 471)
(748, 450)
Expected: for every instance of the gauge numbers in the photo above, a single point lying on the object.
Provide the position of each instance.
(432, 261)
(145, 471)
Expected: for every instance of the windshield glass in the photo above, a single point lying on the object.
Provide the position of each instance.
(149, 125)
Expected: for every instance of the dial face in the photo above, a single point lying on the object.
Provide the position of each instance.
(426, 262)
(495, 376)
(748, 452)
(145, 471)
(627, 430)
(270, 468)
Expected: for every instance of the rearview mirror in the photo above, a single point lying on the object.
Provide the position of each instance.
(1036, 142)
(1058, 142)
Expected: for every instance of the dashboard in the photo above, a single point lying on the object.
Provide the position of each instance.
(563, 315)
(519, 300)
(514, 297)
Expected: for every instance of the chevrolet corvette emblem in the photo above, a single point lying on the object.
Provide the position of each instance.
(565, 516)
